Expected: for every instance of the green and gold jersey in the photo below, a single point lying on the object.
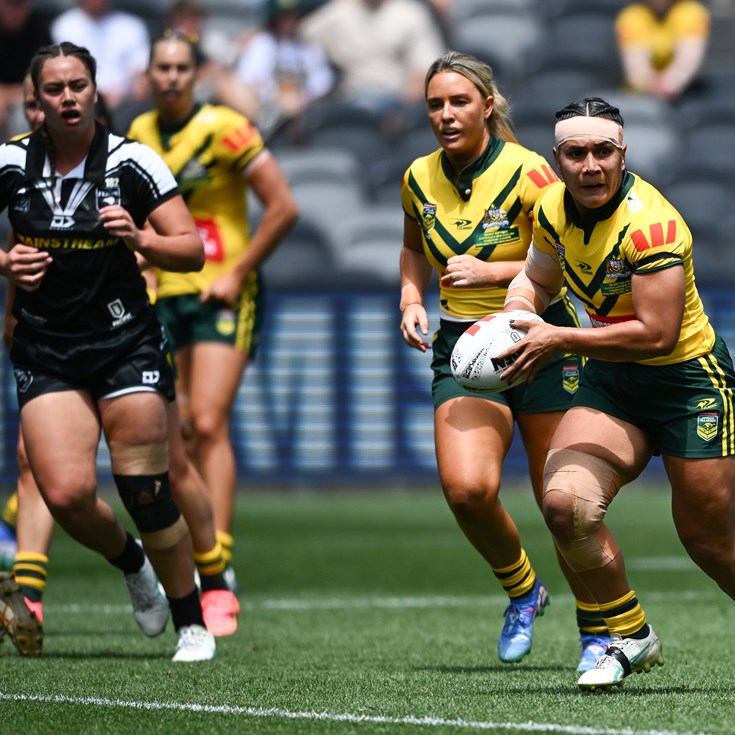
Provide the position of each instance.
(639, 26)
(207, 155)
(637, 232)
(488, 216)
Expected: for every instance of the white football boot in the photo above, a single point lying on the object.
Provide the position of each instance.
(624, 656)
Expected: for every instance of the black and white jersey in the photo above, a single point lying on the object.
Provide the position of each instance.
(93, 285)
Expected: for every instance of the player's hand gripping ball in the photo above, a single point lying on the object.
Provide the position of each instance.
(474, 357)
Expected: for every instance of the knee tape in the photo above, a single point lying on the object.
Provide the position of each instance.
(149, 502)
(592, 483)
(138, 459)
(166, 537)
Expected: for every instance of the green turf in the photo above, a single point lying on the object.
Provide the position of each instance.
(369, 613)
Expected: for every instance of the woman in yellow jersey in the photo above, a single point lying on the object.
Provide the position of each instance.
(467, 208)
(212, 317)
(657, 379)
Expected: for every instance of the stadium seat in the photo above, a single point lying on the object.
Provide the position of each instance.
(331, 124)
(559, 9)
(319, 164)
(370, 243)
(702, 203)
(640, 108)
(303, 257)
(586, 57)
(562, 84)
(510, 33)
(649, 147)
(462, 9)
(327, 203)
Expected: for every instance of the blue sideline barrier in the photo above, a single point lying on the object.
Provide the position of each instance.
(334, 397)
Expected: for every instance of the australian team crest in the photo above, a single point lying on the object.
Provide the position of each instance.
(429, 215)
(616, 268)
(495, 218)
(570, 377)
(708, 424)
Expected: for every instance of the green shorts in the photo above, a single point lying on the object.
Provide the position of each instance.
(189, 322)
(686, 408)
(551, 390)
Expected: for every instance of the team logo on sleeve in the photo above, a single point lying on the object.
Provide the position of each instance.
(429, 215)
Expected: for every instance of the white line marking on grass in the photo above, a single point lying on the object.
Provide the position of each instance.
(662, 564)
(276, 713)
(395, 603)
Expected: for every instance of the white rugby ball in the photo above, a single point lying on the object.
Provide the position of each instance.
(474, 364)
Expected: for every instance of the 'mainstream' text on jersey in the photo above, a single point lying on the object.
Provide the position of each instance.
(93, 286)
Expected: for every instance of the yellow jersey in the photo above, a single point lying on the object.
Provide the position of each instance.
(487, 216)
(637, 232)
(207, 155)
(638, 26)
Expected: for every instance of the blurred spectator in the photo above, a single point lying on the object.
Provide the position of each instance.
(23, 30)
(662, 45)
(380, 48)
(285, 74)
(120, 43)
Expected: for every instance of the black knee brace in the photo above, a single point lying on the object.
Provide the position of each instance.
(148, 500)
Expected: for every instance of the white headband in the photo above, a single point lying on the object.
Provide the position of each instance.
(597, 128)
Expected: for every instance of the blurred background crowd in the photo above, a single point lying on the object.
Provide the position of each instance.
(336, 87)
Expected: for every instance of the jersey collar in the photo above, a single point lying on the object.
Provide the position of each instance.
(167, 131)
(472, 170)
(96, 163)
(588, 221)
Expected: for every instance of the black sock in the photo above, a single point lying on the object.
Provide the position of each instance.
(212, 582)
(186, 610)
(132, 558)
(641, 634)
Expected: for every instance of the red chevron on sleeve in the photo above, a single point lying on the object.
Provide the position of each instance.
(656, 236)
(542, 177)
(240, 138)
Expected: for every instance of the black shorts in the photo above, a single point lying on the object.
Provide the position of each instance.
(133, 359)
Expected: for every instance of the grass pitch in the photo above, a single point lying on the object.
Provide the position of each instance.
(368, 612)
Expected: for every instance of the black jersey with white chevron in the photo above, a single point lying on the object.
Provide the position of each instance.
(93, 285)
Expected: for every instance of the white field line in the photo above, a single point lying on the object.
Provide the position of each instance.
(277, 713)
(397, 603)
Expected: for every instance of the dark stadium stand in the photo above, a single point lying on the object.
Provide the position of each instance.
(544, 53)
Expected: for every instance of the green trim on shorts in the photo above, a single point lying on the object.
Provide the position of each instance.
(188, 322)
(552, 389)
(686, 408)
